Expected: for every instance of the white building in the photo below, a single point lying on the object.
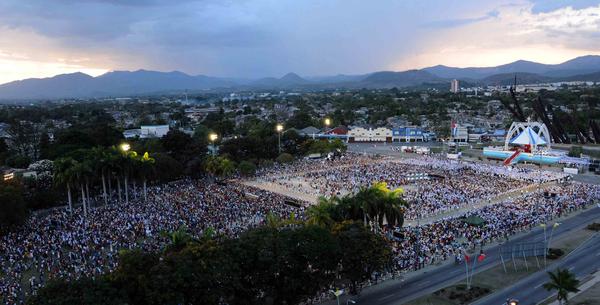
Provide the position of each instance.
(454, 86)
(147, 131)
(360, 134)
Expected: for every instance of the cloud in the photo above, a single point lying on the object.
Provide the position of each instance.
(546, 6)
(450, 23)
(256, 38)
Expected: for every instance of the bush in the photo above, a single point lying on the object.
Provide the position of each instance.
(594, 226)
(575, 151)
(285, 158)
(247, 168)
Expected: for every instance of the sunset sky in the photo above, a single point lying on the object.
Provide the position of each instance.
(257, 38)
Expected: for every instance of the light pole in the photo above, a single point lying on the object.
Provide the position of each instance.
(545, 243)
(337, 293)
(327, 122)
(279, 129)
(213, 137)
(556, 224)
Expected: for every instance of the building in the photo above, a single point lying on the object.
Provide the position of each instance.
(460, 133)
(408, 134)
(147, 131)
(454, 86)
(361, 134)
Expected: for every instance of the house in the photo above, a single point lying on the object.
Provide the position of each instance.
(408, 134)
(147, 131)
(309, 131)
(362, 134)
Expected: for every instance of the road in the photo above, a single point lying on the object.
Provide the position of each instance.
(398, 292)
(529, 291)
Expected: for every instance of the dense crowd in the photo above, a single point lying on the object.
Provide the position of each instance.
(60, 245)
(447, 238)
(432, 185)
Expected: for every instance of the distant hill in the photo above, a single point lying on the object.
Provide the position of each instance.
(388, 79)
(142, 82)
(506, 79)
(288, 80)
(580, 65)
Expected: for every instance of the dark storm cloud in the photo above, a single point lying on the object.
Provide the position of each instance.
(245, 37)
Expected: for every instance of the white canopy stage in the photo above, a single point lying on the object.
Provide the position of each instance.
(527, 133)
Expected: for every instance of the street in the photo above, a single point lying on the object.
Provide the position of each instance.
(398, 292)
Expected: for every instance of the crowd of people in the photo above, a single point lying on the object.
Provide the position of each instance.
(59, 244)
(448, 238)
(432, 185)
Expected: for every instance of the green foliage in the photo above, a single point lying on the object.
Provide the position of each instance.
(219, 166)
(563, 281)
(575, 151)
(324, 147)
(18, 161)
(283, 263)
(363, 253)
(285, 158)
(247, 168)
(84, 291)
(13, 209)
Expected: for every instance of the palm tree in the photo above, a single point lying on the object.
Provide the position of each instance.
(320, 213)
(563, 282)
(179, 238)
(126, 165)
(81, 171)
(64, 175)
(146, 168)
(100, 157)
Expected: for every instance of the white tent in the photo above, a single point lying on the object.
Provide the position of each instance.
(528, 137)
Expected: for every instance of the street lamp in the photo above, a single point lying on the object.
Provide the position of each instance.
(337, 293)
(512, 302)
(213, 137)
(125, 147)
(279, 129)
(327, 122)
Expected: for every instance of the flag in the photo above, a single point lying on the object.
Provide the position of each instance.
(453, 128)
(481, 257)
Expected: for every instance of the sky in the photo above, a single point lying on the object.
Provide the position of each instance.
(259, 38)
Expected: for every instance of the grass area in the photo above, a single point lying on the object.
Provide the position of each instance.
(495, 278)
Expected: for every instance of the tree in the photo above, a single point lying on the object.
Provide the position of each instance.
(13, 210)
(219, 166)
(320, 214)
(84, 291)
(563, 281)
(362, 253)
(247, 168)
(146, 169)
(64, 174)
(285, 158)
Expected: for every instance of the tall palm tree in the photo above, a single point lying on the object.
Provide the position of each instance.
(64, 175)
(99, 157)
(81, 171)
(146, 168)
(126, 166)
(563, 282)
(320, 213)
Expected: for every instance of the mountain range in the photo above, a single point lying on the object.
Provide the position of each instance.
(143, 82)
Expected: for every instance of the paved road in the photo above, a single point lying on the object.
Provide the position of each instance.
(397, 292)
(529, 291)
